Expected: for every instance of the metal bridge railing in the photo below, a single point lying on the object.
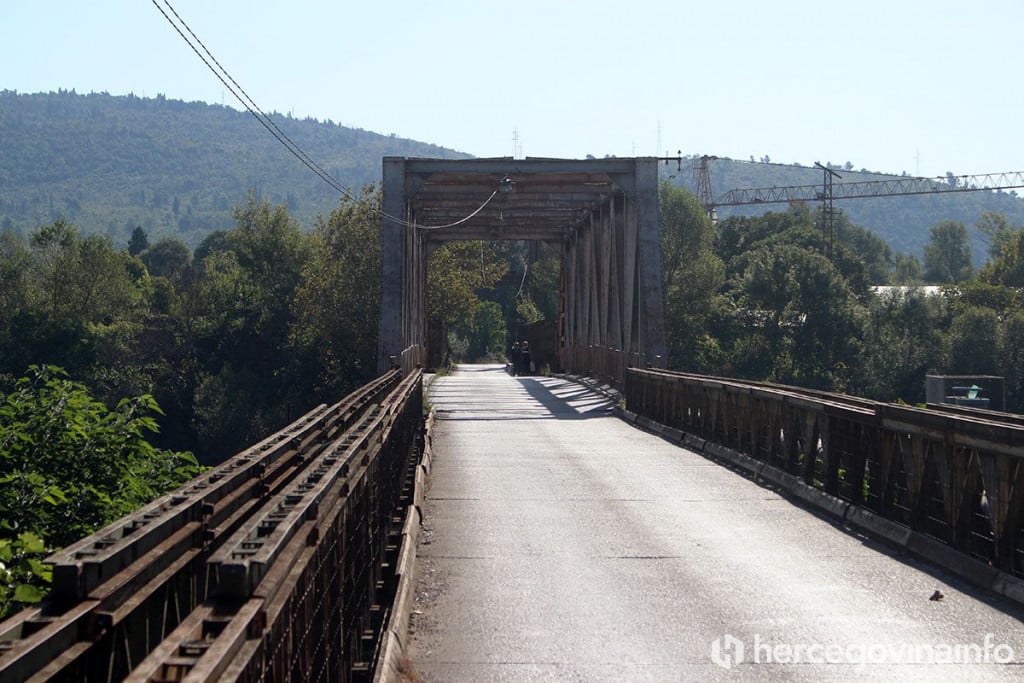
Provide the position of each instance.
(957, 478)
(276, 565)
(608, 364)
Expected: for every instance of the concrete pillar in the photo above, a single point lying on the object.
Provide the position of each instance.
(652, 299)
(389, 341)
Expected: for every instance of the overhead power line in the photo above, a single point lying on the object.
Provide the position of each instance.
(250, 105)
(231, 84)
(461, 220)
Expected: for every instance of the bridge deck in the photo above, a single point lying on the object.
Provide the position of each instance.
(562, 544)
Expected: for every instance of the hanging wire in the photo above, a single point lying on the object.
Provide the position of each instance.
(447, 225)
(526, 269)
(250, 105)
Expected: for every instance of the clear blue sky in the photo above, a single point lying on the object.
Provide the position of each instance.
(922, 87)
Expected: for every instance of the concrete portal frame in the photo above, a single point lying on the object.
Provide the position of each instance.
(601, 215)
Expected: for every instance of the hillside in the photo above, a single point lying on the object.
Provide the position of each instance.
(903, 222)
(110, 163)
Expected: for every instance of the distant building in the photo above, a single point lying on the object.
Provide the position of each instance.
(902, 290)
(974, 391)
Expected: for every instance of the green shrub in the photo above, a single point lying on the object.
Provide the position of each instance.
(70, 466)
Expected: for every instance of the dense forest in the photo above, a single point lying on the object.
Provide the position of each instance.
(110, 164)
(123, 370)
(758, 298)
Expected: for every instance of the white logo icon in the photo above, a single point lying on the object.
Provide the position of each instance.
(727, 651)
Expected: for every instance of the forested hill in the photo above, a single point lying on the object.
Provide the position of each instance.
(111, 163)
(902, 221)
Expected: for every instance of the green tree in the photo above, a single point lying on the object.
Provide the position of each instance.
(789, 316)
(138, 242)
(14, 285)
(24, 578)
(488, 333)
(458, 275)
(69, 466)
(996, 231)
(974, 342)
(336, 307)
(79, 300)
(543, 283)
(79, 278)
(235, 323)
(1011, 360)
(788, 313)
(947, 256)
(906, 270)
(1007, 268)
(271, 247)
(865, 245)
(904, 339)
(217, 240)
(693, 274)
(168, 257)
(981, 294)
(54, 267)
(527, 293)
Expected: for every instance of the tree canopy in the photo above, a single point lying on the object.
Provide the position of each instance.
(70, 466)
(947, 256)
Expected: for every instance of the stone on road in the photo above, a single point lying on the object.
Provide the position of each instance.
(562, 544)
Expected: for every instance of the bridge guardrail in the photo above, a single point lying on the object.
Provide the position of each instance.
(958, 478)
(126, 593)
(606, 363)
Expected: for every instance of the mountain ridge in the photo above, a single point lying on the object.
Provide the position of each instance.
(110, 163)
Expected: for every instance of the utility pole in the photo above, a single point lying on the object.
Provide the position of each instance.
(703, 184)
(678, 158)
(827, 209)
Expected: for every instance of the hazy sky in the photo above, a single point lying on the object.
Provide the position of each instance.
(922, 87)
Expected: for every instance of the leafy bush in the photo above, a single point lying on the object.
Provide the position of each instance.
(69, 466)
(23, 576)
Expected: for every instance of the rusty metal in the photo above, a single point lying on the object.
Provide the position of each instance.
(608, 364)
(120, 593)
(956, 477)
(600, 216)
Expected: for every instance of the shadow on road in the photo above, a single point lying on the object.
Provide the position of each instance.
(499, 396)
(565, 400)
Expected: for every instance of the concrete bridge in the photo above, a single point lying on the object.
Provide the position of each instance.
(666, 527)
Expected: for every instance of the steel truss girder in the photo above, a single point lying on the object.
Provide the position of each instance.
(602, 213)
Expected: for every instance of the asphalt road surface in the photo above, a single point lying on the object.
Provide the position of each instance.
(561, 544)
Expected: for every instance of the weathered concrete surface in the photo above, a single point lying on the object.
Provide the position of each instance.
(561, 544)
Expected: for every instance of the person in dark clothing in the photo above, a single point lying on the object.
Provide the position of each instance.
(516, 357)
(524, 359)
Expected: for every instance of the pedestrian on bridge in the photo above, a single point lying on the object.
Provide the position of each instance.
(516, 357)
(524, 359)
